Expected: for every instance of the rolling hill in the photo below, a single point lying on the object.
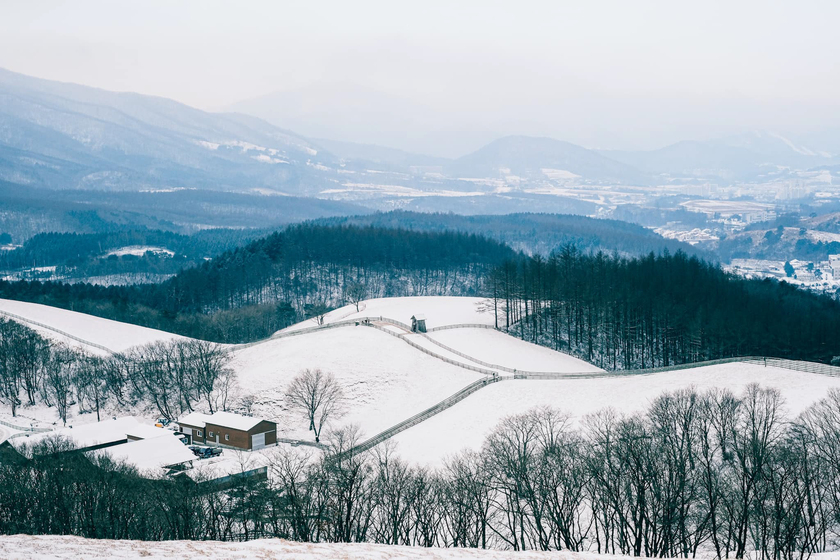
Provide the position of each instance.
(391, 375)
(539, 233)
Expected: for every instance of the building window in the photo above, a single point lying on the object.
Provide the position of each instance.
(227, 437)
(198, 433)
(210, 434)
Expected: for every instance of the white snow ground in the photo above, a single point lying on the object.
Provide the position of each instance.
(502, 349)
(113, 335)
(466, 424)
(439, 310)
(385, 379)
(24, 547)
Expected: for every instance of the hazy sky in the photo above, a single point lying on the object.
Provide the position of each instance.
(444, 77)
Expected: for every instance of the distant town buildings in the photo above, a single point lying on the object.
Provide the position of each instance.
(822, 276)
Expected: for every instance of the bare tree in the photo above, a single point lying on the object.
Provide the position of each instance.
(10, 378)
(317, 311)
(59, 375)
(319, 396)
(355, 292)
(208, 371)
(90, 382)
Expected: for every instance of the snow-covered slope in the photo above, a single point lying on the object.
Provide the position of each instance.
(502, 349)
(56, 323)
(439, 310)
(466, 424)
(390, 376)
(385, 379)
(20, 547)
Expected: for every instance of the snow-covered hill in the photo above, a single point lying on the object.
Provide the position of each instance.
(440, 311)
(87, 332)
(389, 374)
(498, 348)
(20, 547)
(385, 379)
(466, 424)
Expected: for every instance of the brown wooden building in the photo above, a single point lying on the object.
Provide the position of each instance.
(229, 430)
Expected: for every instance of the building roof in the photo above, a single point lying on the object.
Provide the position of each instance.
(144, 431)
(94, 434)
(197, 419)
(234, 421)
(419, 317)
(223, 419)
(152, 453)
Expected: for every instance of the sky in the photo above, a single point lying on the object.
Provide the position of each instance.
(443, 78)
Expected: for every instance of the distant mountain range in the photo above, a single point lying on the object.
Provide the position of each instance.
(526, 156)
(66, 136)
(746, 157)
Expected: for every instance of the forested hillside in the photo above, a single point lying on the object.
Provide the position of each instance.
(250, 292)
(698, 474)
(80, 256)
(617, 312)
(659, 310)
(28, 210)
(532, 233)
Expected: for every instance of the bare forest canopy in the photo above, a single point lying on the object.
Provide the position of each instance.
(659, 311)
(617, 312)
(86, 255)
(248, 293)
(712, 474)
(94, 251)
(169, 378)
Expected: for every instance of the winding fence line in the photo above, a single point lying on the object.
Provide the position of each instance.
(424, 415)
(464, 326)
(28, 429)
(795, 365)
(492, 375)
(55, 330)
(371, 322)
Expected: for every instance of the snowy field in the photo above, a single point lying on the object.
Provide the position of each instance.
(20, 547)
(501, 349)
(466, 424)
(385, 379)
(113, 335)
(139, 251)
(439, 310)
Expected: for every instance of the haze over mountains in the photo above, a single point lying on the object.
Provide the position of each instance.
(67, 136)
